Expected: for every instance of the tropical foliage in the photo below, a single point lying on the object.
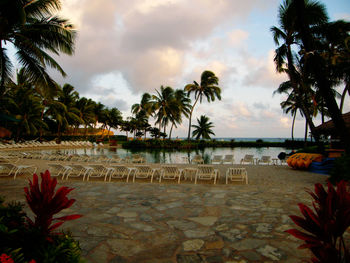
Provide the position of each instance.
(314, 52)
(24, 240)
(326, 225)
(45, 203)
(34, 30)
(203, 129)
(207, 88)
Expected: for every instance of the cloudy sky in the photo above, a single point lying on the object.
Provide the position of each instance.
(126, 48)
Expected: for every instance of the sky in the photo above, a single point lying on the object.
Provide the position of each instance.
(127, 48)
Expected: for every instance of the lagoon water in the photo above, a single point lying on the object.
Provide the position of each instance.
(176, 156)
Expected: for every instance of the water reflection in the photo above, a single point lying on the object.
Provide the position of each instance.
(178, 156)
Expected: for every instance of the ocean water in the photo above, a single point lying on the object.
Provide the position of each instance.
(254, 139)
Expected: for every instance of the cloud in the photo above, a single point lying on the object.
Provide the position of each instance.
(263, 73)
(237, 37)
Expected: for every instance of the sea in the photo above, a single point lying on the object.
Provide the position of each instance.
(254, 139)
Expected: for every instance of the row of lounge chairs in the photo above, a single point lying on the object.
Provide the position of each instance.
(135, 158)
(34, 144)
(165, 172)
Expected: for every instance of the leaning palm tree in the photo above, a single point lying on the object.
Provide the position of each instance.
(203, 129)
(183, 107)
(34, 31)
(208, 88)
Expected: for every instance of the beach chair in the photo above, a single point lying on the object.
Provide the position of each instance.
(236, 174)
(78, 170)
(217, 159)
(99, 171)
(11, 168)
(57, 169)
(189, 172)
(206, 172)
(197, 159)
(119, 172)
(170, 173)
(265, 159)
(116, 159)
(229, 158)
(137, 158)
(248, 158)
(143, 172)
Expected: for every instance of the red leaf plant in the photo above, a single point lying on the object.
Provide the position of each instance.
(45, 203)
(325, 227)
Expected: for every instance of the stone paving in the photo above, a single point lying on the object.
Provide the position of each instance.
(164, 223)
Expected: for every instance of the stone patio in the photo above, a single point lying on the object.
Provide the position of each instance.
(163, 223)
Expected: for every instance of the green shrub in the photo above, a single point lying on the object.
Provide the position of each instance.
(341, 169)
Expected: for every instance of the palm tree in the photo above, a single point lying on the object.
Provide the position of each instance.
(33, 29)
(318, 67)
(145, 105)
(208, 88)
(23, 102)
(164, 104)
(69, 97)
(203, 129)
(289, 35)
(183, 108)
(86, 111)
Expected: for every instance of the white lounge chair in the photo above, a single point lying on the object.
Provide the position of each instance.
(197, 159)
(116, 159)
(217, 159)
(229, 158)
(143, 172)
(206, 172)
(11, 168)
(248, 158)
(265, 159)
(237, 174)
(99, 171)
(119, 172)
(170, 173)
(78, 170)
(137, 158)
(57, 169)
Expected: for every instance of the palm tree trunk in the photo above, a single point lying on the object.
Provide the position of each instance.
(190, 119)
(306, 131)
(293, 80)
(347, 89)
(171, 130)
(295, 114)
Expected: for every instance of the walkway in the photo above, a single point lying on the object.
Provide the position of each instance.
(164, 223)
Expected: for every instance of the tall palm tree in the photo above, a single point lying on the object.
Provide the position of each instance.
(203, 129)
(288, 34)
(318, 67)
(207, 88)
(34, 31)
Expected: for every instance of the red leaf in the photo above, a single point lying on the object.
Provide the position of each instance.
(70, 217)
(308, 213)
(302, 236)
(54, 226)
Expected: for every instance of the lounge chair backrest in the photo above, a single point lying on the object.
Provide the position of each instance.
(170, 170)
(205, 169)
